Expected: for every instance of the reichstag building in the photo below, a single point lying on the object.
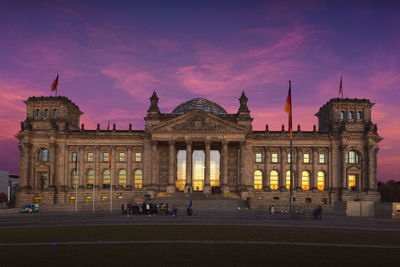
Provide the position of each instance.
(197, 147)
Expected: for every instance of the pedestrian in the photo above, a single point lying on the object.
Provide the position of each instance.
(272, 210)
(320, 212)
(122, 208)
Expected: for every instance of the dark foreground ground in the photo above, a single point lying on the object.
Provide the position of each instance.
(249, 240)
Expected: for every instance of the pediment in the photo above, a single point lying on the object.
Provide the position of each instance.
(198, 121)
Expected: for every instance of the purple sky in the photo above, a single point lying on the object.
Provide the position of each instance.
(111, 55)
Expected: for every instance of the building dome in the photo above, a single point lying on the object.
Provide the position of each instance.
(201, 104)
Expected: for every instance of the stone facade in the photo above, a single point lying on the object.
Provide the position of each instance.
(60, 158)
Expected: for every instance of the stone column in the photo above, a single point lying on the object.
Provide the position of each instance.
(225, 187)
(372, 168)
(266, 174)
(282, 175)
(129, 175)
(343, 166)
(53, 165)
(313, 178)
(154, 163)
(80, 166)
(188, 186)
(242, 166)
(171, 168)
(207, 187)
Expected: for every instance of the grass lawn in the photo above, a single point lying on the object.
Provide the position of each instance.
(196, 254)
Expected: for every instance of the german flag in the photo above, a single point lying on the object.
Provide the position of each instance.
(288, 109)
(54, 84)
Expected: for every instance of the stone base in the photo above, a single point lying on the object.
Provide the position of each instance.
(225, 188)
(171, 189)
(207, 189)
(188, 188)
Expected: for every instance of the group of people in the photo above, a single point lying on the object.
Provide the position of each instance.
(149, 209)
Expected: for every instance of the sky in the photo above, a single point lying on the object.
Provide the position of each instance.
(111, 55)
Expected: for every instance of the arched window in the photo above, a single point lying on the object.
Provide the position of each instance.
(54, 112)
(353, 157)
(258, 179)
(90, 178)
(138, 179)
(342, 115)
(122, 178)
(351, 115)
(321, 181)
(38, 113)
(43, 155)
(288, 180)
(46, 112)
(106, 179)
(305, 180)
(74, 178)
(274, 180)
(359, 115)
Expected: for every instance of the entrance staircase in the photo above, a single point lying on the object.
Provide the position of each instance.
(202, 204)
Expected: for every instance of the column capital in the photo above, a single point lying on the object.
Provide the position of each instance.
(207, 142)
(154, 142)
(224, 142)
(188, 142)
(171, 142)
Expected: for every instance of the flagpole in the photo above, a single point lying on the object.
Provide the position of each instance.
(291, 153)
(111, 182)
(94, 177)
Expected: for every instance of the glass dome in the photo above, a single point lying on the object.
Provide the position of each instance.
(201, 104)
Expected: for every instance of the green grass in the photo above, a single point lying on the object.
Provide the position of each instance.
(196, 254)
(153, 232)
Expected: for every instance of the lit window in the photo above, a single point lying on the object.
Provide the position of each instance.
(214, 167)
(258, 157)
(305, 180)
(138, 157)
(274, 180)
(352, 181)
(106, 156)
(289, 158)
(321, 181)
(54, 112)
(274, 157)
(74, 156)
(350, 115)
(181, 170)
(359, 115)
(258, 180)
(342, 115)
(46, 112)
(353, 157)
(138, 179)
(106, 179)
(321, 158)
(306, 158)
(122, 156)
(75, 178)
(288, 180)
(90, 178)
(43, 155)
(90, 156)
(122, 178)
(38, 113)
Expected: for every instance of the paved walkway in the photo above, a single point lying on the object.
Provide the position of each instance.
(248, 218)
(208, 242)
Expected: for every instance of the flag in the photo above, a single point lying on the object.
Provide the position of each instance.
(54, 84)
(288, 109)
(108, 126)
(76, 163)
(109, 159)
(341, 87)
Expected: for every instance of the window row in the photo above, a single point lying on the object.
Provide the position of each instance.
(306, 158)
(274, 180)
(350, 115)
(106, 178)
(45, 113)
(122, 156)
